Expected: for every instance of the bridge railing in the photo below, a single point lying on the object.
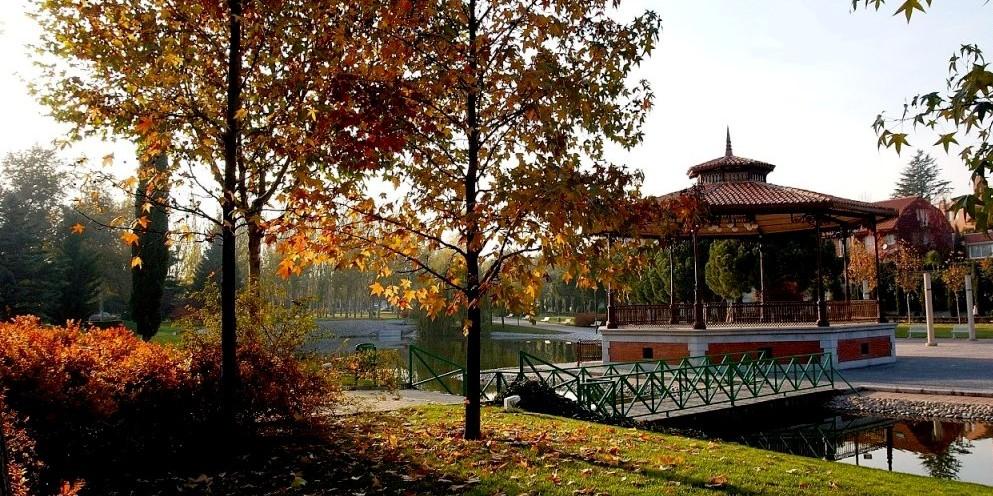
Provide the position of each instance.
(665, 388)
(440, 371)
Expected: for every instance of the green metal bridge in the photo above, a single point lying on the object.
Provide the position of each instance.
(645, 390)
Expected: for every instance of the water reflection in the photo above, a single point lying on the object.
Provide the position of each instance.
(941, 449)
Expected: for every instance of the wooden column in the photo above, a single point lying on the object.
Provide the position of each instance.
(698, 320)
(875, 254)
(822, 316)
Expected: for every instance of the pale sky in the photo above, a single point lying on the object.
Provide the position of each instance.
(798, 81)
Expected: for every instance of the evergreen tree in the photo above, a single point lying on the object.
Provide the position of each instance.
(653, 284)
(922, 177)
(209, 269)
(28, 270)
(80, 269)
(150, 254)
(732, 268)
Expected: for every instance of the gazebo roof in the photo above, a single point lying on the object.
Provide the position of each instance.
(741, 202)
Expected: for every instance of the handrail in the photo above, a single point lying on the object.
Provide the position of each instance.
(420, 354)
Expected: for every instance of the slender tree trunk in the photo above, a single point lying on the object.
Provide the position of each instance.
(473, 348)
(907, 293)
(229, 365)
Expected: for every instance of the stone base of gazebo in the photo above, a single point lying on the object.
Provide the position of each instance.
(851, 345)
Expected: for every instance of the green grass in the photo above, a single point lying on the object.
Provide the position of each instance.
(537, 454)
(169, 332)
(983, 331)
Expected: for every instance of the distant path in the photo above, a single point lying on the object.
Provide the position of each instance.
(564, 332)
(954, 366)
(350, 328)
(384, 401)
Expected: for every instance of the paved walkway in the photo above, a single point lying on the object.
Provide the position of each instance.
(384, 401)
(959, 366)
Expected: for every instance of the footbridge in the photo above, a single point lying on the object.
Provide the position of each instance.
(645, 390)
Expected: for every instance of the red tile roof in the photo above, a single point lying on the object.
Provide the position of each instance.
(730, 163)
(974, 238)
(754, 195)
(898, 204)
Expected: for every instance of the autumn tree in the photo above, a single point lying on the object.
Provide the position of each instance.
(515, 103)
(922, 177)
(251, 93)
(953, 277)
(958, 115)
(909, 267)
(150, 254)
(862, 266)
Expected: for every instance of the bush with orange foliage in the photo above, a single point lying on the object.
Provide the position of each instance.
(103, 399)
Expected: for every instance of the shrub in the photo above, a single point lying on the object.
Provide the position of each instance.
(586, 319)
(103, 400)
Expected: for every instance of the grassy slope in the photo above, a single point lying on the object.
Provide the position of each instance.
(983, 331)
(537, 454)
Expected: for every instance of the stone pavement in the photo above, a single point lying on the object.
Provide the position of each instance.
(954, 366)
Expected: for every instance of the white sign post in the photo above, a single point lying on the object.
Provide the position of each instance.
(929, 309)
(969, 305)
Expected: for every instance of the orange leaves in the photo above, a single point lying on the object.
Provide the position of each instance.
(78, 228)
(129, 238)
(136, 262)
(376, 289)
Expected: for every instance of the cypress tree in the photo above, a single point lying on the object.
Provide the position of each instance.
(148, 277)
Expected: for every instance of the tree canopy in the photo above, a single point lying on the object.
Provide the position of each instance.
(922, 177)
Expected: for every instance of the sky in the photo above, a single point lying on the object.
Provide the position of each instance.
(799, 83)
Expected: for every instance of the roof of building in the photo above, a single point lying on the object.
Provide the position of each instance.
(751, 205)
(976, 238)
(898, 204)
(729, 162)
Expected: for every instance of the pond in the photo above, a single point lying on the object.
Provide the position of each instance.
(942, 449)
(499, 349)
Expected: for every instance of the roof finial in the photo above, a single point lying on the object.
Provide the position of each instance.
(727, 151)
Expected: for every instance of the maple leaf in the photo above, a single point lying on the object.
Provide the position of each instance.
(285, 268)
(136, 262)
(78, 228)
(129, 238)
(143, 221)
(376, 289)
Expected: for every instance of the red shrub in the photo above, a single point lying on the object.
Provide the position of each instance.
(104, 400)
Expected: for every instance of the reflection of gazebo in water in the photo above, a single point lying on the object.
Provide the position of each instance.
(740, 203)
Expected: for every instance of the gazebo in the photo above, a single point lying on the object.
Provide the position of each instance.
(741, 203)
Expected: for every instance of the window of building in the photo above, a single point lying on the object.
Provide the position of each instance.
(647, 353)
(890, 239)
(922, 217)
(982, 250)
(864, 348)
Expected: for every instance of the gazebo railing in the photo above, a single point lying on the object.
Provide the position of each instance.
(737, 314)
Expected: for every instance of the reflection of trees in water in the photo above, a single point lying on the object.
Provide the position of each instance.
(946, 465)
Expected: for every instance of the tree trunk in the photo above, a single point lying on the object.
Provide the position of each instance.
(907, 293)
(472, 292)
(229, 365)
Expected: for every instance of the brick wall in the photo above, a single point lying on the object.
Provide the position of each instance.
(634, 351)
(851, 349)
(779, 348)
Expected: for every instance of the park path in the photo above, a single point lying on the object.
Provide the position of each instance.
(384, 401)
(955, 366)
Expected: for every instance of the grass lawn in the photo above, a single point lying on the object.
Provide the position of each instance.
(983, 331)
(537, 454)
(169, 332)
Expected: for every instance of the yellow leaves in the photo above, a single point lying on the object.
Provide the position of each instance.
(146, 207)
(129, 238)
(78, 228)
(241, 114)
(172, 59)
(143, 222)
(376, 289)
(136, 262)
(312, 113)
